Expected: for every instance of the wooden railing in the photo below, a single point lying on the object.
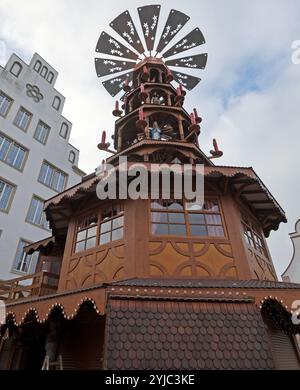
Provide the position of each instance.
(41, 283)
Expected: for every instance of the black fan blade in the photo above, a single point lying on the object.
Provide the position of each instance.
(106, 66)
(176, 20)
(109, 45)
(193, 39)
(192, 62)
(124, 26)
(114, 85)
(187, 81)
(149, 16)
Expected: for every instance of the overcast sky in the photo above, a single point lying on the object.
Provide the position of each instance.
(249, 96)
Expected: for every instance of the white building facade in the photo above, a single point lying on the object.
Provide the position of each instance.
(36, 159)
(292, 273)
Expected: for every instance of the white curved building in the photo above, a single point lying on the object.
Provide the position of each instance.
(36, 159)
(292, 273)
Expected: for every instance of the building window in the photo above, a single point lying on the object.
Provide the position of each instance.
(44, 71)
(183, 218)
(111, 229)
(41, 132)
(50, 77)
(23, 262)
(5, 103)
(64, 130)
(86, 237)
(99, 229)
(16, 69)
(12, 153)
(52, 177)
(22, 119)
(56, 103)
(36, 213)
(37, 66)
(72, 157)
(253, 235)
(6, 194)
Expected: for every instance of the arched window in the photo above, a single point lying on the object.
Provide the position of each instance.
(72, 157)
(64, 130)
(154, 76)
(56, 103)
(50, 77)
(16, 69)
(37, 66)
(44, 71)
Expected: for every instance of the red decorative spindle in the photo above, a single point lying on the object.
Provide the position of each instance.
(142, 88)
(193, 119)
(178, 91)
(141, 114)
(169, 76)
(215, 144)
(126, 86)
(103, 137)
(195, 113)
(215, 152)
(117, 105)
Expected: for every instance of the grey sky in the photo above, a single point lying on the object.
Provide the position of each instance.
(249, 94)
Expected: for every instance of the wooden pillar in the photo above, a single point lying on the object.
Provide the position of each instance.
(119, 139)
(180, 127)
(169, 100)
(130, 105)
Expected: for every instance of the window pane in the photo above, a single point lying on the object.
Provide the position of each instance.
(215, 231)
(90, 243)
(175, 205)
(105, 227)
(117, 222)
(12, 154)
(117, 234)
(159, 229)
(81, 235)
(197, 219)
(213, 219)
(179, 230)
(199, 230)
(19, 159)
(105, 238)
(4, 146)
(5, 193)
(156, 204)
(193, 206)
(211, 205)
(4, 104)
(159, 217)
(80, 246)
(176, 217)
(22, 260)
(91, 232)
(35, 212)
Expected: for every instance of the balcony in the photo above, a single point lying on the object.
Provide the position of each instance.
(35, 285)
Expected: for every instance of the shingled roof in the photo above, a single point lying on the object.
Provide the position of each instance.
(206, 283)
(186, 335)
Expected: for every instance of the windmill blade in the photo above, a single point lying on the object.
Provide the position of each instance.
(176, 20)
(191, 40)
(192, 62)
(115, 85)
(109, 45)
(124, 26)
(106, 66)
(149, 16)
(187, 81)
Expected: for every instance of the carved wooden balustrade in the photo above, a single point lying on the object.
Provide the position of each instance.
(38, 284)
